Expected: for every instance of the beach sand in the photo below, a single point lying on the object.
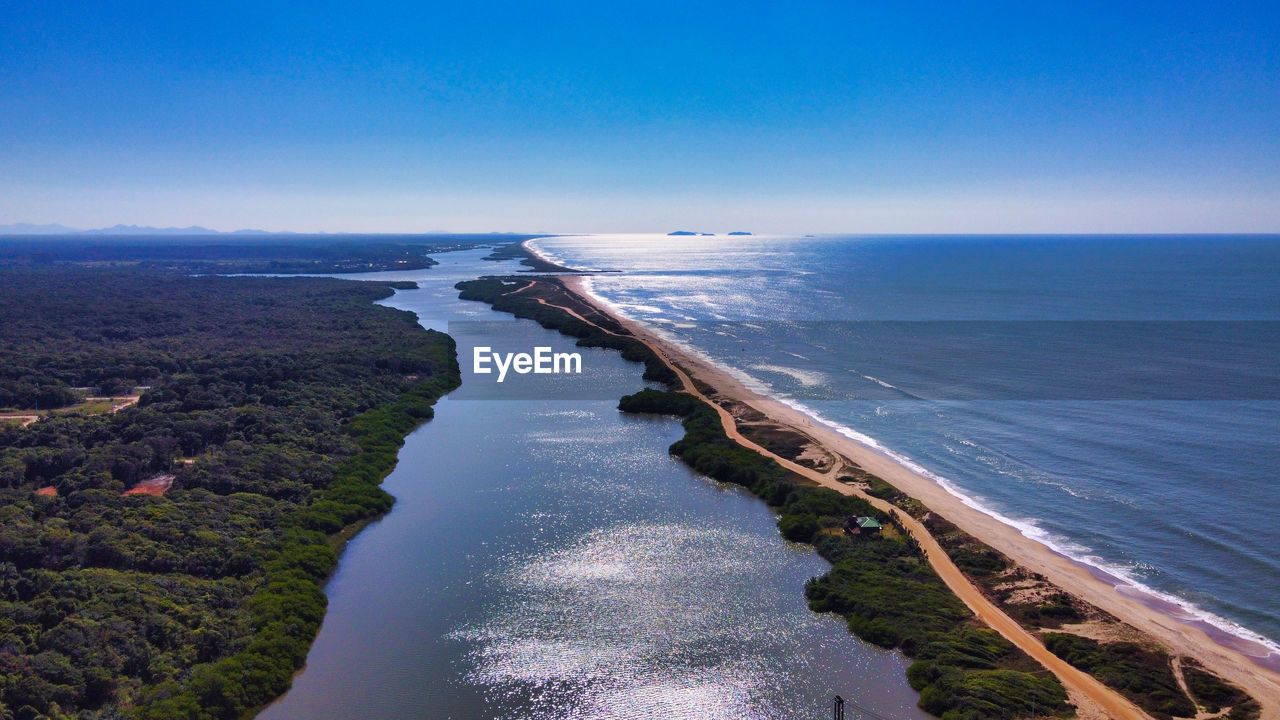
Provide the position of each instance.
(1237, 660)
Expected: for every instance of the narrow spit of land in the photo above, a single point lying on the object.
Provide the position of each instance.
(1091, 697)
(1128, 613)
(734, 408)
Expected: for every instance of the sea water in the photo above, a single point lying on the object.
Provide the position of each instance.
(1117, 398)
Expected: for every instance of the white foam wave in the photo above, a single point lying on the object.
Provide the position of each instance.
(879, 382)
(640, 307)
(807, 378)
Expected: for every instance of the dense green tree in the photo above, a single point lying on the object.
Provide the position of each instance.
(275, 405)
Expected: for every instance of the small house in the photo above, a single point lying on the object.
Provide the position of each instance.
(861, 525)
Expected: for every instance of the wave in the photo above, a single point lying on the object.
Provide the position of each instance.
(645, 308)
(1176, 607)
(879, 382)
(807, 378)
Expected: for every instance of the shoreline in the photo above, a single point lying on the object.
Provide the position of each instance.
(1261, 650)
(1224, 653)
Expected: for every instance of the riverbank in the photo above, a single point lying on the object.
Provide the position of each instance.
(188, 570)
(685, 601)
(1252, 672)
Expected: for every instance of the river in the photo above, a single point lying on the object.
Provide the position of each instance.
(546, 558)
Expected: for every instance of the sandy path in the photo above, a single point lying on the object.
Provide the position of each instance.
(1237, 662)
(25, 420)
(1091, 697)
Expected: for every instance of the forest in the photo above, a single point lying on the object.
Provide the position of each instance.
(285, 253)
(269, 412)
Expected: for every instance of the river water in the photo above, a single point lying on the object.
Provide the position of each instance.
(546, 558)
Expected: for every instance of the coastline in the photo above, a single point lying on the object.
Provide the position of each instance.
(1220, 652)
(1221, 629)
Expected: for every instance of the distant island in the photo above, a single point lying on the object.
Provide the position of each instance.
(689, 232)
(739, 232)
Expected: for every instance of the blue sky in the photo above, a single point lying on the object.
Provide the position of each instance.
(620, 116)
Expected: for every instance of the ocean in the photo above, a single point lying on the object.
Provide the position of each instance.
(1116, 398)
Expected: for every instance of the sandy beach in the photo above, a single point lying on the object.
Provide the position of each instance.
(1240, 661)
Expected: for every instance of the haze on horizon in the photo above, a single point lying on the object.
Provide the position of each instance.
(646, 117)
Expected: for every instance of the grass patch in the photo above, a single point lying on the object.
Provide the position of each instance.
(1140, 673)
(1211, 691)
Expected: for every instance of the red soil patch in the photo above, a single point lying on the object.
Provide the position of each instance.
(157, 485)
(47, 491)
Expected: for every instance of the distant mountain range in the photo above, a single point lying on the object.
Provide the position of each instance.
(690, 232)
(54, 229)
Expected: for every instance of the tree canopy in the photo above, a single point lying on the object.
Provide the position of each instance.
(276, 406)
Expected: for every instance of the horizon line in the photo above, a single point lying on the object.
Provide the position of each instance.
(200, 231)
